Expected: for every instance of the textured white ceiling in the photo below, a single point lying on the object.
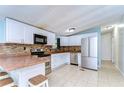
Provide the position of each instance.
(59, 18)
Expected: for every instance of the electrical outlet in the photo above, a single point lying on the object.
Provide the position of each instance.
(24, 48)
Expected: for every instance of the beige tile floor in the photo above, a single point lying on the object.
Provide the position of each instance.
(72, 76)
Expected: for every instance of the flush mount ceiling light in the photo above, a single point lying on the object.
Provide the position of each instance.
(71, 29)
(108, 27)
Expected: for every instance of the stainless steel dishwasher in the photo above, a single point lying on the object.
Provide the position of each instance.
(74, 58)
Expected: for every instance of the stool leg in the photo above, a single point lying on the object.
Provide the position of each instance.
(46, 84)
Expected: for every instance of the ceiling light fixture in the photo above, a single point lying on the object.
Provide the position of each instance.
(71, 29)
(108, 27)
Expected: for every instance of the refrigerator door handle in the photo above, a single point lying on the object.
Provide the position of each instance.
(88, 47)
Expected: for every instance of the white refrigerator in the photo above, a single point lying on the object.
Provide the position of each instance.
(89, 53)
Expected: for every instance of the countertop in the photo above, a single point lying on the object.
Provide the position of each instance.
(55, 51)
(13, 63)
(9, 63)
(64, 52)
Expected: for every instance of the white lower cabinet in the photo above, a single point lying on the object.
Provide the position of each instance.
(59, 59)
(21, 76)
(79, 59)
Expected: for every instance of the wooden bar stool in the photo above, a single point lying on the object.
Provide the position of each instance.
(38, 81)
(3, 75)
(7, 82)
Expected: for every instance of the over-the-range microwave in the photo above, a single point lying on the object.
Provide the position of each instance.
(40, 39)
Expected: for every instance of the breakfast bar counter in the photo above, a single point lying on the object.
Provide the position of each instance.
(13, 63)
(22, 68)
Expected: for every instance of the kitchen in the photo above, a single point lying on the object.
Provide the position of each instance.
(31, 55)
(19, 46)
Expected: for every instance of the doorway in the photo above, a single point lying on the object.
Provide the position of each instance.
(107, 47)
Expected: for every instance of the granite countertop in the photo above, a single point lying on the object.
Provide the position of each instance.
(13, 63)
(64, 51)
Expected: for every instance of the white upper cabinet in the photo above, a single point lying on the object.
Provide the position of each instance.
(51, 39)
(64, 41)
(28, 34)
(74, 41)
(17, 32)
(70, 40)
(14, 31)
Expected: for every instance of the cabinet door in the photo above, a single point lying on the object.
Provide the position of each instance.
(14, 31)
(28, 34)
(65, 57)
(59, 59)
(55, 61)
(64, 41)
(74, 41)
(51, 39)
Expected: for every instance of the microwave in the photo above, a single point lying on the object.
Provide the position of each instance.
(40, 39)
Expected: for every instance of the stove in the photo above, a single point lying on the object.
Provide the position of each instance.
(47, 64)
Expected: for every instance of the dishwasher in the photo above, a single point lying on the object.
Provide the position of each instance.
(74, 58)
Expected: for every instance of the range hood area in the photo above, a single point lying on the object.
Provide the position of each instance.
(40, 39)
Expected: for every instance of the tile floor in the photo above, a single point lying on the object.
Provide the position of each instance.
(72, 76)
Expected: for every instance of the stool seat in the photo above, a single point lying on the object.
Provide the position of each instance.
(15, 86)
(38, 80)
(3, 75)
(6, 82)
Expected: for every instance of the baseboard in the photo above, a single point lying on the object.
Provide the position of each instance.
(106, 60)
(73, 64)
(119, 70)
(59, 66)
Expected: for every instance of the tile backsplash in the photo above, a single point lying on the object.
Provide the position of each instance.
(24, 49)
(19, 49)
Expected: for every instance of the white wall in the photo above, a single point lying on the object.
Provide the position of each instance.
(121, 49)
(118, 53)
(116, 46)
(106, 46)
